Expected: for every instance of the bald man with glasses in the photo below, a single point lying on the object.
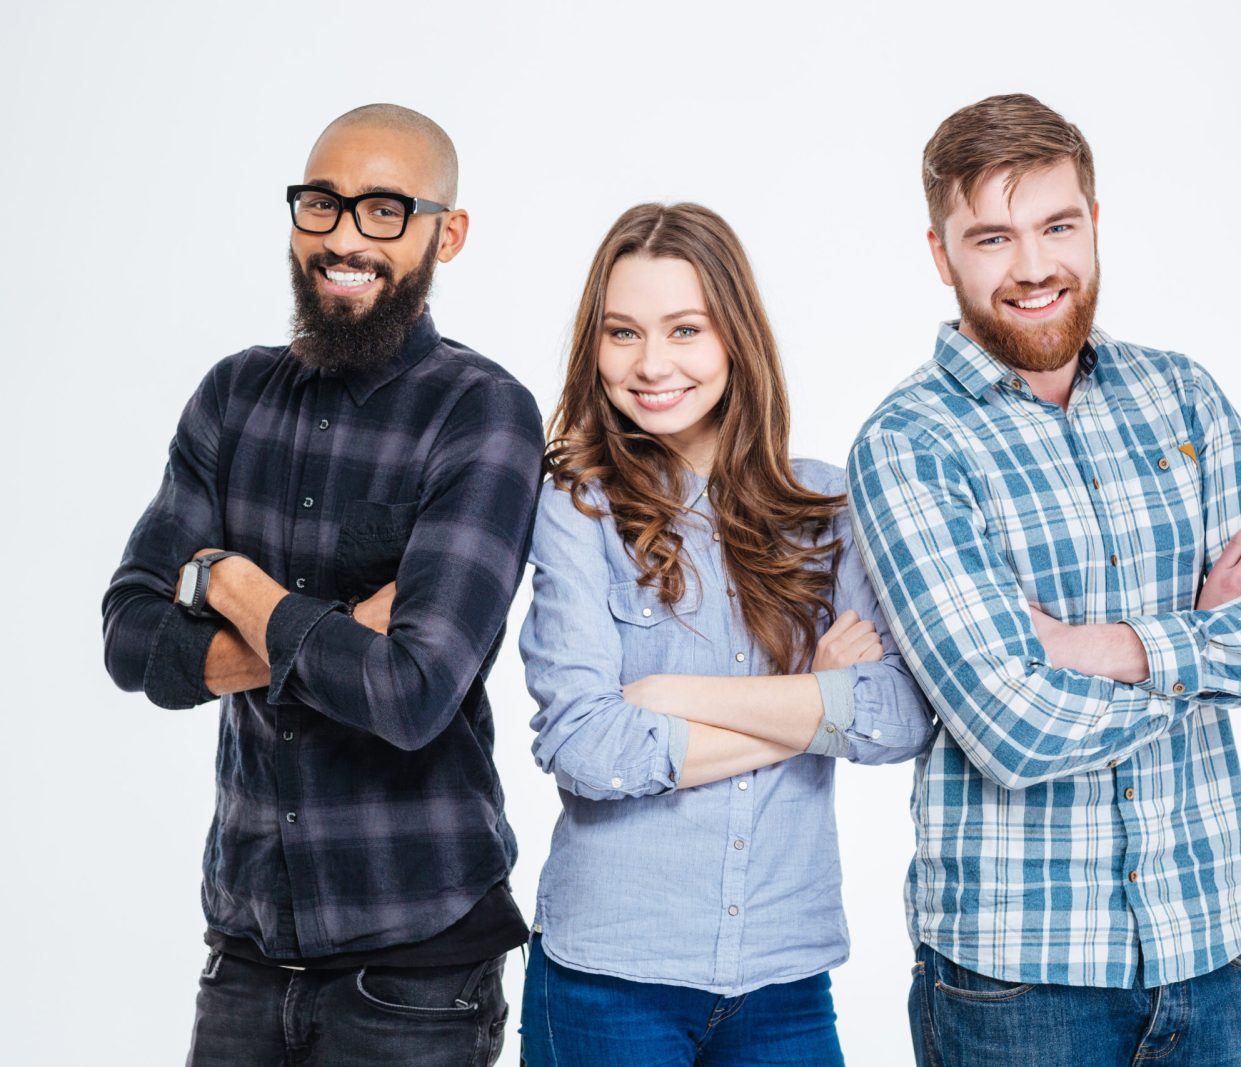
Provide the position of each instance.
(341, 527)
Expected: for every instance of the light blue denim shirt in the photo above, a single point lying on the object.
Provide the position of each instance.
(723, 887)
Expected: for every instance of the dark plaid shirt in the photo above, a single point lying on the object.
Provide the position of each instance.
(357, 804)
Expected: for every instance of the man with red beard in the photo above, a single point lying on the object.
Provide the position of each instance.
(342, 525)
(1048, 516)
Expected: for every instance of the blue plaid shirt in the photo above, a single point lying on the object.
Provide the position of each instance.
(1070, 829)
(357, 805)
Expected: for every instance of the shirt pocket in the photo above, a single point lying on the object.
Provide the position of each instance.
(372, 541)
(656, 638)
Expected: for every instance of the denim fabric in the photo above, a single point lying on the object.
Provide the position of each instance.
(576, 1019)
(960, 1018)
(255, 1015)
(357, 804)
(1071, 829)
(727, 886)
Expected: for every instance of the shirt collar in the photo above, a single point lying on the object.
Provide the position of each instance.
(976, 370)
(363, 384)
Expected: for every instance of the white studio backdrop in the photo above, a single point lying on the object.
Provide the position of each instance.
(802, 124)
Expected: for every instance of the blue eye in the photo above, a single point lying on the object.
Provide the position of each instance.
(992, 242)
(1059, 227)
(685, 331)
(622, 333)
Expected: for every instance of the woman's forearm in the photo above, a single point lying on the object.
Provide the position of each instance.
(715, 754)
(785, 709)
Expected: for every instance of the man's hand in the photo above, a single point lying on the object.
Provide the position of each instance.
(1109, 650)
(1224, 582)
(375, 612)
(849, 640)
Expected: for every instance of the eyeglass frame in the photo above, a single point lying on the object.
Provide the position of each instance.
(414, 205)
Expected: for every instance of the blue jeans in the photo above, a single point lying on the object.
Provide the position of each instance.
(961, 1018)
(255, 1015)
(576, 1019)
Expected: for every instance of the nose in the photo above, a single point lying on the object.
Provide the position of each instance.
(1034, 262)
(653, 363)
(346, 239)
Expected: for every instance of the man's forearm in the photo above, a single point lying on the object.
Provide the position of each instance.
(1110, 650)
(232, 666)
(246, 596)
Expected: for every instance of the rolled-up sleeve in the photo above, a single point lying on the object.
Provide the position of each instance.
(595, 744)
(872, 712)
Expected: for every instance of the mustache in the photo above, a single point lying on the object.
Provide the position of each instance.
(323, 260)
(1022, 290)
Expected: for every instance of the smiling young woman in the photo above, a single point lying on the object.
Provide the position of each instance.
(687, 573)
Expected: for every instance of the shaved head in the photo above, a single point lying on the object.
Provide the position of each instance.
(434, 144)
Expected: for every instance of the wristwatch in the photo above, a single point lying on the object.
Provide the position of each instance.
(192, 591)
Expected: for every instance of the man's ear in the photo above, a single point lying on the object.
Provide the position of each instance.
(940, 254)
(452, 237)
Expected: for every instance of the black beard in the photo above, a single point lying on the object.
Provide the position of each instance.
(330, 334)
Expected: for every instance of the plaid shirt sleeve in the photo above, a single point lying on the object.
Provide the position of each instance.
(149, 643)
(454, 584)
(965, 630)
(1198, 653)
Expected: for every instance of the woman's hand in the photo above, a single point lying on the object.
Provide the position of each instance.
(849, 640)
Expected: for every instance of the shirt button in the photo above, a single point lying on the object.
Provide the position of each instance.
(1111, 763)
(740, 657)
(1128, 794)
(738, 844)
(1016, 383)
(324, 424)
(287, 735)
(617, 783)
(646, 613)
(1094, 482)
(876, 734)
(1179, 687)
(1133, 876)
(732, 592)
(300, 583)
(309, 502)
(733, 909)
(830, 727)
(1163, 463)
(291, 817)
(743, 786)
(1115, 559)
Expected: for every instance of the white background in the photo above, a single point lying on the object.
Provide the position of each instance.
(802, 124)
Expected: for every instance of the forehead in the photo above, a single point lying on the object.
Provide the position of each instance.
(641, 283)
(356, 157)
(1032, 198)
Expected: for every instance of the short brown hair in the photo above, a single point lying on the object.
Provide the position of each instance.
(1015, 133)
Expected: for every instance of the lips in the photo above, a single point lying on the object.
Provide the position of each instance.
(1038, 305)
(661, 401)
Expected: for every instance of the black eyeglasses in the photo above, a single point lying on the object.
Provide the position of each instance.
(379, 216)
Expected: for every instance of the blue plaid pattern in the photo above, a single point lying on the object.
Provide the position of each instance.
(1069, 828)
(357, 805)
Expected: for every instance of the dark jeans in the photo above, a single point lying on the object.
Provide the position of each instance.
(254, 1015)
(961, 1018)
(575, 1019)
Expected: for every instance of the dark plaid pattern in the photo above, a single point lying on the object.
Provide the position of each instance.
(357, 803)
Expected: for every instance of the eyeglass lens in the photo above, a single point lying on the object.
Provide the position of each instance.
(377, 216)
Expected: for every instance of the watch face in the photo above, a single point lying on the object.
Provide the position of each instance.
(189, 583)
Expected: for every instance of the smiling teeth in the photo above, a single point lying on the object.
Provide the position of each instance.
(348, 278)
(1041, 302)
(661, 398)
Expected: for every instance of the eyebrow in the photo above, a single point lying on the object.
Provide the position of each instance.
(988, 227)
(666, 318)
(366, 190)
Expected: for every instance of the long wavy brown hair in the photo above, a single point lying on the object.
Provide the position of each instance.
(770, 526)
